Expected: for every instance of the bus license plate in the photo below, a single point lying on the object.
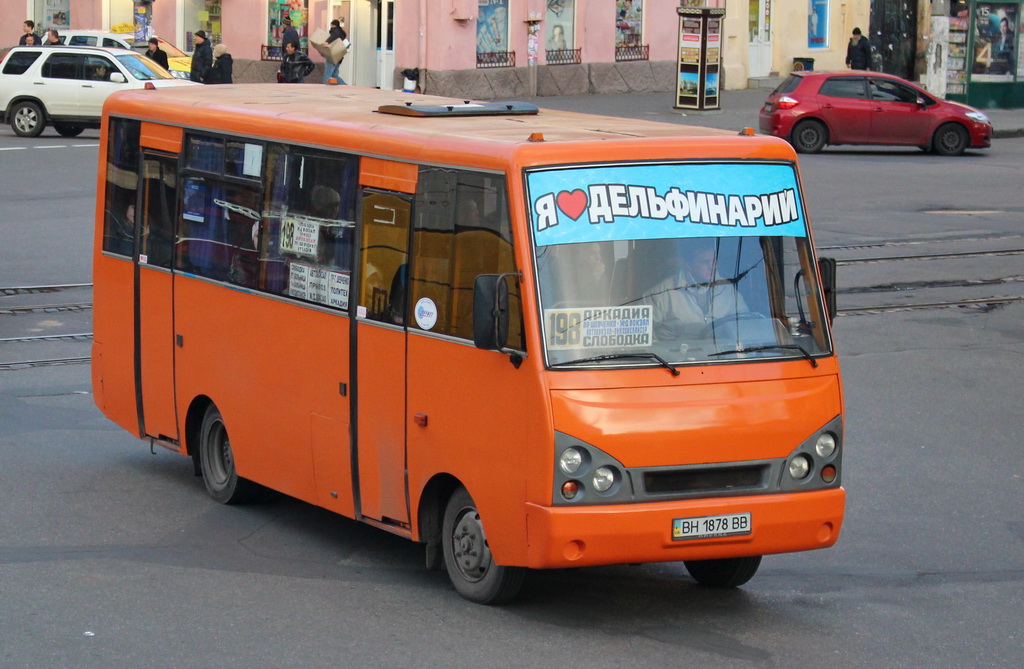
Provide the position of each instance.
(707, 527)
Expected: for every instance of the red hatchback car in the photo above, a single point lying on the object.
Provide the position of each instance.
(812, 109)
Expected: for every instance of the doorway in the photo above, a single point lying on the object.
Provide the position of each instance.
(894, 34)
(370, 27)
(759, 24)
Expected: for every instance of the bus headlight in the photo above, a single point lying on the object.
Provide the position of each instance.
(604, 479)
(570, 461)
(799, 467)
(825, 446)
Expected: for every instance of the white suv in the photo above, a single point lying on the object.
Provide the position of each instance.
(66, 86)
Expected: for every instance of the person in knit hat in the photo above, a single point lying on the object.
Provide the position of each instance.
(202, 58)
(223, 64)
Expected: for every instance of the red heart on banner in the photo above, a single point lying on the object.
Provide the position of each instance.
(572, 203)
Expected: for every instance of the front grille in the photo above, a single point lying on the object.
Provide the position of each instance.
(719, 479)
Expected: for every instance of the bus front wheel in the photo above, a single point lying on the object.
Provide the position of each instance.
(468, 559)
(218, 463)
(723, 573)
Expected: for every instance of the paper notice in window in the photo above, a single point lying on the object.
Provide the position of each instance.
(300, 236)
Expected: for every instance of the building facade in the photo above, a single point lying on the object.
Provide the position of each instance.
(484, 49)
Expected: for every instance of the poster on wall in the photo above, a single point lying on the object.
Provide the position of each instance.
(57, 14)
(817, 24)
(995, 42)
(492, 26)
(142, 22)
(561, 24)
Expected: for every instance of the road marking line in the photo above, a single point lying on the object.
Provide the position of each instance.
(13, 148)
(96, 144)
(53, 146)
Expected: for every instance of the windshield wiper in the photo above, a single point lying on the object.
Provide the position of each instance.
(618, 356)
(771, 347)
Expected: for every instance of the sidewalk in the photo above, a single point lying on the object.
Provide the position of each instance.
(739, 110)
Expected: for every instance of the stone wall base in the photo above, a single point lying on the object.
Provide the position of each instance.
(245, 71)
(543, 80)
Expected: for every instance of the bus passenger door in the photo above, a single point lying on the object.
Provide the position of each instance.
(154, 307)
(380, 356)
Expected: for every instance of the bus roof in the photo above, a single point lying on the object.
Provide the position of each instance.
(348, 116)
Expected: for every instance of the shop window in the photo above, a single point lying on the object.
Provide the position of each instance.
(461, 230)
(307, 233)
(122, 184)
(492, 47)
(561, 29)
(629, 31)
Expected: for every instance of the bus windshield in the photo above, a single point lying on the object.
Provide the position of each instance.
(674, 264)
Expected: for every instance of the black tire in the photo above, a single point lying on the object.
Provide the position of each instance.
(809, 136)
(723, 573)
(467, 557)
(27, 119)
(950, 139)
(218, 464)
(65, 130)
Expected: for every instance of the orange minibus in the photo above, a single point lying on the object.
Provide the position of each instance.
(524, 338)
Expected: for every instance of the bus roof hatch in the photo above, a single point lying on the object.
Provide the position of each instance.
(467, 108)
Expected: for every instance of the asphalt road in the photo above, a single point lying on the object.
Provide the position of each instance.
(112, 556)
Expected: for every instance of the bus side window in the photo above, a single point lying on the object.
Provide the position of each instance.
(122, 185)
(462, 230)
(217, 236)
(306, 235)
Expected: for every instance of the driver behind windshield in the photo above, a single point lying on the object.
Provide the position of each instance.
(686, 301)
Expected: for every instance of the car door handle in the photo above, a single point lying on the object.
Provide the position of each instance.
(39, 83)
(878, 109)
(86, 85)
(826, 106)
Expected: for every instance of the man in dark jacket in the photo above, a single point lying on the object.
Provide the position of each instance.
(223, 64)
(295, 66)
(858, 52)
(202, 58)
(156, 53)
(28, 28)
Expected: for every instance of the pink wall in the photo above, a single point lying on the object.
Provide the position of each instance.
(452, 43)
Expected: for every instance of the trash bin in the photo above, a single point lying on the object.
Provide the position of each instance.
(801, 64)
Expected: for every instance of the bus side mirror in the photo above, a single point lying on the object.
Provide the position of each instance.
(827, 269)
(490, 312)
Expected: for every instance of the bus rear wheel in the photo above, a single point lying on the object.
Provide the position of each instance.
(725, 572)
(218, 463)
(468, 559)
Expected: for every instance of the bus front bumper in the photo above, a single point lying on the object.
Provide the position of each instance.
(637, 533)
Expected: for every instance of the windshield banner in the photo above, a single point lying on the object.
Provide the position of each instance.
(623, 202)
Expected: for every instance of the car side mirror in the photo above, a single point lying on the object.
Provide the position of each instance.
(921, 103)
(118, 78)
(827, 269)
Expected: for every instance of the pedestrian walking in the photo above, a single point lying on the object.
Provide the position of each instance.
(223, 64)
(295, 66)
(290, 34)
(858, 52)
(52, 38)
(330, 67)
(202, 58)
(156, 53)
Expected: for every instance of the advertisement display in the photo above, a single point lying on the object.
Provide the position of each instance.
(817, 24)
(56, 14)
(995, 42)
(700, 54)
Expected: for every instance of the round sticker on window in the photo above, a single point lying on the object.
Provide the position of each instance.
(426, 313)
